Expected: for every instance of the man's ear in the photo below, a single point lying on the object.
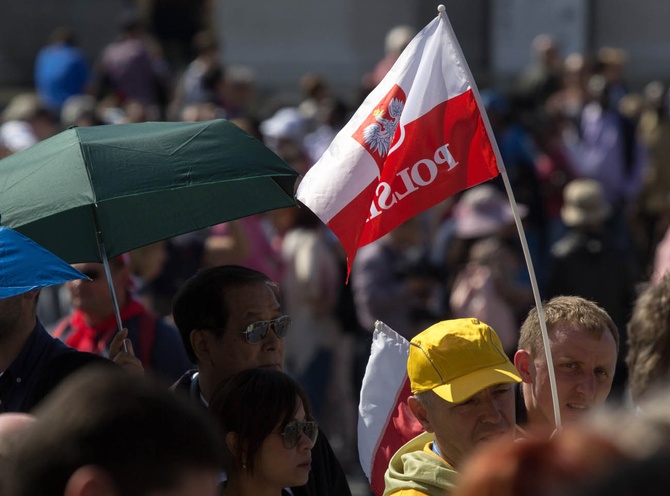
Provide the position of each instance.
(231, 442)
(419, 411)
(200, 342)
(90, 480)
(524, 364)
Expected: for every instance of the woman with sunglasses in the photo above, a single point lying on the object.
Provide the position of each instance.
(267, 430)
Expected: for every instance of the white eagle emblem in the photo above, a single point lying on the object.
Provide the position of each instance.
(378, 136)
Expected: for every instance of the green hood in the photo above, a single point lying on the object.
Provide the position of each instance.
(415, 466)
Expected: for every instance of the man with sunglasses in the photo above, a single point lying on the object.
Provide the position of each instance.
(230, 319)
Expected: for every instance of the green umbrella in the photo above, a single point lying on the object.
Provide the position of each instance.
(124, 186)
(89, 194)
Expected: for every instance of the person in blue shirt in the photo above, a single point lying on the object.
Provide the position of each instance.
(61, 70)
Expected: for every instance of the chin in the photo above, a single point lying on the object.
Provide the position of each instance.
(297, 480)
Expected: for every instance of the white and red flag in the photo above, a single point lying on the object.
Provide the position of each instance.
(418, 138)
(385, 422)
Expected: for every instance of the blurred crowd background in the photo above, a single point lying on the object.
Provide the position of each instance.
(585, 142)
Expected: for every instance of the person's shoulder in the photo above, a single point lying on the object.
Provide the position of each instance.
(163, 325)
(183, 384)
(327, 476)
(66, 362)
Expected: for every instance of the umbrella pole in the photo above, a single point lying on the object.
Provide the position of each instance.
(117, 312)
(108, 274)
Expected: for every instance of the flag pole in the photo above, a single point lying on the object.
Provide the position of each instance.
(517, 219)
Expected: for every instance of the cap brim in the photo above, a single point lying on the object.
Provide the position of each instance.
(467, 386)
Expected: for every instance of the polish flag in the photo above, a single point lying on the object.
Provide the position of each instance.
(385, 422)
(417, 139)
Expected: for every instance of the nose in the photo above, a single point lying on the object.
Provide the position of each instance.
(304, 442)
(271, 341)
(490, 412)
(587, 385)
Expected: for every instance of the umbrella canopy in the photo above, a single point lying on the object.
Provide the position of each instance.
(124, 186)
(25, 265)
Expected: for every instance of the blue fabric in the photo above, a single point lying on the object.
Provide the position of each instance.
(25, 265)
(15, 382)
(61, 71)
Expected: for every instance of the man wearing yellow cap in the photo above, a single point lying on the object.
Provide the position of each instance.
(463, 396)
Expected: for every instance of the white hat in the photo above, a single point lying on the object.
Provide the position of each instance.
(483, 211)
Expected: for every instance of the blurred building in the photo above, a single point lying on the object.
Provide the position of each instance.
(342, 40)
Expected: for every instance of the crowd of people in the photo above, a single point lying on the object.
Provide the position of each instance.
(221, 313)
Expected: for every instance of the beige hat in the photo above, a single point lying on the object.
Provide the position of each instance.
(584, 203)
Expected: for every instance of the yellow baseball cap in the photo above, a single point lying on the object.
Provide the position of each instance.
(457, 359)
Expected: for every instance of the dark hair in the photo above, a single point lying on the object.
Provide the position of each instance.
(200, 302)
(63, 34)
(252, 404)
(141, 434)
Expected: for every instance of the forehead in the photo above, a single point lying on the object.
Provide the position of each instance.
(575, 339)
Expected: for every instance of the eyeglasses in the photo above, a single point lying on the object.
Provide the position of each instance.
(295, 429)
(256, 332)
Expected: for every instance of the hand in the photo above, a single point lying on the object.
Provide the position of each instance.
(121, 353)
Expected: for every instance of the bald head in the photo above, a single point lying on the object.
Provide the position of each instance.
(12, 426)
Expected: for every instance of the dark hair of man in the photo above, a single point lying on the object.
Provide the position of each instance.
(648, 357)
(253, 404)
(142, 435)
(200, 302)
(572, 310)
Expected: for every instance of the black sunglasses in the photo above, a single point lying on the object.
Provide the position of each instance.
(295, 429)
(256, 332)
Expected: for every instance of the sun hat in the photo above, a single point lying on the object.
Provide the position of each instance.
(457, 359)
(584, 203)
(482, 211)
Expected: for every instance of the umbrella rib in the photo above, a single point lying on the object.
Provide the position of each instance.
(84, 156)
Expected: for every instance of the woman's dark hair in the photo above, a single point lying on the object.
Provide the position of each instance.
(252, 404)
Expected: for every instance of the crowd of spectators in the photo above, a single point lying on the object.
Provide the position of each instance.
(587, 158)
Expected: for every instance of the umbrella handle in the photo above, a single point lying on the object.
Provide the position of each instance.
(108, 274)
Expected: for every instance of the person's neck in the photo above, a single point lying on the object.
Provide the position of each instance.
(536, 422)
(12, 341)
(451, 463)
(247, 485)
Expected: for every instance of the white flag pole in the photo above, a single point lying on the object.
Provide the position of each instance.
(517, 219)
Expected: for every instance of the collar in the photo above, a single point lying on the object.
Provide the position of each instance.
(194, 390)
